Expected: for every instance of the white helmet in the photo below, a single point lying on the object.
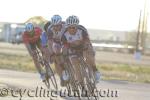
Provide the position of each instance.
(56, 19)
(29, 27)
(72, 20)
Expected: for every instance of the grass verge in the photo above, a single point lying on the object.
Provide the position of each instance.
(134, 73)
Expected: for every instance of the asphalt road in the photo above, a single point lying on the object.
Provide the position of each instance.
(107, 90)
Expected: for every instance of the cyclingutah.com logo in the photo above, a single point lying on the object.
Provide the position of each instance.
(40, 92)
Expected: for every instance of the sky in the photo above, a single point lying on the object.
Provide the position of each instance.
(120, 15)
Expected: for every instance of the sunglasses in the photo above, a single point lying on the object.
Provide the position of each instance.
(56, 25)
(72, 27)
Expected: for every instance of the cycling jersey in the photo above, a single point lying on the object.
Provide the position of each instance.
(51, 35)
(33, 40)
(81, 34)
(27, 38)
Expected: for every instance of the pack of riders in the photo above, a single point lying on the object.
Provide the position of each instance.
(60, 37)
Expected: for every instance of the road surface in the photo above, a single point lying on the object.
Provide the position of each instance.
(108, 90)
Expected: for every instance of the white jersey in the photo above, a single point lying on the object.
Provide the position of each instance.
(71, 38)
(56, 35)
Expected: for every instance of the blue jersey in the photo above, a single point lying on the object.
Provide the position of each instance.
(44, 39)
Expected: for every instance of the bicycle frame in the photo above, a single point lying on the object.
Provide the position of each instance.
(48, 69)
(88, 79)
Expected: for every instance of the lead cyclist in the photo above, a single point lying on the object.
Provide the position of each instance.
(74, 38)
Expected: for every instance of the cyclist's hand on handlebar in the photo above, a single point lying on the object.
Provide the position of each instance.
(77, 42)
(64, 50)
(46, 53)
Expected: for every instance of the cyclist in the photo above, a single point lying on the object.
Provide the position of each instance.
(44, 40)
(75, 38)
(31, 39)
(54, 34)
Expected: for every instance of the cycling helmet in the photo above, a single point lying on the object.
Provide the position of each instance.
(56, 19)
(72, 20)
(29, 27)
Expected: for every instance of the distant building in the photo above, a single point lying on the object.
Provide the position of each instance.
(107, 35)
(9, 30)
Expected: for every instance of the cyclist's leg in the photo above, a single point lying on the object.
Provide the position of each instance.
(59, 61)
(50, 46)
(58, 65)
(38, 46)
(45, 52)
(46, 55)
(89, 55)
(76, 65)
(36, 63)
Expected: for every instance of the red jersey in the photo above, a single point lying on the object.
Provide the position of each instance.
(27, 38)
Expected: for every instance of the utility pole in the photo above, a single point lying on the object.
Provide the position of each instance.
(138, 39)
(141, 33)
(144, 28)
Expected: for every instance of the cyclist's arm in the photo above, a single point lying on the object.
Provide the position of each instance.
(44, 44)
(29, 49)
(86, 39)
(50, 40)
(26, 42)
(49, 33)
(25, 38)
(44, 39)
(64, 41)
(37, 35)
(65, 45)
(85, 36)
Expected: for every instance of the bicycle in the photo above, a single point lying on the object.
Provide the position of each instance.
(87, 76)
(48, 70)
(72, 85)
